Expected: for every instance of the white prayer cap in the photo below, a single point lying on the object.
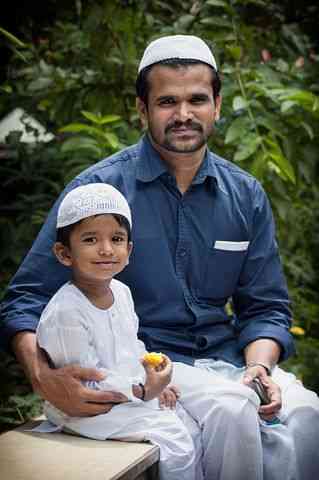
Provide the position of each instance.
(177, 46)
(92, 199)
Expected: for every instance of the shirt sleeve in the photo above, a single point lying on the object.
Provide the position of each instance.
(36, 281)
(65, 336)
(261, 301)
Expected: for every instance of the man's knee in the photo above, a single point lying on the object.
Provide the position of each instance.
(304, 418)
(239, 408)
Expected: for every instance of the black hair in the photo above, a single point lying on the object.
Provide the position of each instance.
(63, 234)
(142, 85)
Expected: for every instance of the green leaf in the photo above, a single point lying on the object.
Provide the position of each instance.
(91, 116)
(216, 21)
(216, 3)
(112, 139)
(238, 128)
(247, 147)
(6, 88)
(12, 38)
(109, 119)
(76, 128)
(308, 129)
(75, 144)
(81, 127)
(258, 165)
(235, 52)
(239, 103)
(99, 119)
(278, 158)
(287, 105)
(40, 84)
(185, 21)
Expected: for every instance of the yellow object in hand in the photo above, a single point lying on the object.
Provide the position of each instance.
(154, 359)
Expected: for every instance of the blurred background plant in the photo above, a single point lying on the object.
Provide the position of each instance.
(73, 68)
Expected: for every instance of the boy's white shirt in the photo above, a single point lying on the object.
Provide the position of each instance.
(73, 330)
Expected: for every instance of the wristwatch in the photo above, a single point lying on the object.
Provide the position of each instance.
(268, 368)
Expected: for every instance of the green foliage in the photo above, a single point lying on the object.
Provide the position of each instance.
(78, 80)
(16, 407)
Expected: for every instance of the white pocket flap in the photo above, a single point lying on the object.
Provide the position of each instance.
(232, 246)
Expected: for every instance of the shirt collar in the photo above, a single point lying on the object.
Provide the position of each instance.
(150, 165)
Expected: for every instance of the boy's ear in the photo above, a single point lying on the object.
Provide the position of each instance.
(129, 251)
(63, 254)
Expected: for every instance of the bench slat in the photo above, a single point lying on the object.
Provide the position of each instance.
(53, 456)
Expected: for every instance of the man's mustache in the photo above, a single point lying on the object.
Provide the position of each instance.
(189, 125)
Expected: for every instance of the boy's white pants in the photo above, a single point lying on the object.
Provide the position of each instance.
(180, 446)
(237, 445)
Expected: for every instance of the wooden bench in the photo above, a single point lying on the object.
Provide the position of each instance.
(26, 455)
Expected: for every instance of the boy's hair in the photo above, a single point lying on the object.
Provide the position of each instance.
(63, 234)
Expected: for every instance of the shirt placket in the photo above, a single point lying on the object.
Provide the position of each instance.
(183, 252)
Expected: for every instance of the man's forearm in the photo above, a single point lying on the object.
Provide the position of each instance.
(264, 351)
(28, 355)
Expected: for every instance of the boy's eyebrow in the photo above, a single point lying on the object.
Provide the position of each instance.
(87, 233)
(120, 232)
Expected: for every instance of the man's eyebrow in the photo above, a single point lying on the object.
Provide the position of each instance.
(165, 97)
(203, 96)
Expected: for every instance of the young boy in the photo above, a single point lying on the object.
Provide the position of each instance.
(91, 321)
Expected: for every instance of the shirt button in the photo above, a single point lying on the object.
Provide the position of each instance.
(182, 252)
(201, 342)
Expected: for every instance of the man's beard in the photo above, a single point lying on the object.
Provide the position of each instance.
(177, 145)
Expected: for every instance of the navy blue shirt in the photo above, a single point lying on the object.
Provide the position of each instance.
(192, 253)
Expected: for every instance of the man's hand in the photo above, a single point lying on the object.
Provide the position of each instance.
(273, 391)
(62, 387)
(169, 397)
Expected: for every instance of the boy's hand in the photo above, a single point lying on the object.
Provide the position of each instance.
(157, 378)
(169, 397)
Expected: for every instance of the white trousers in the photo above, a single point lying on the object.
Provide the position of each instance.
(236, 444)
(216, 432)
(171, 430)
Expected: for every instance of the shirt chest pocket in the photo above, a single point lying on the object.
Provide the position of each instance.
(222, 265)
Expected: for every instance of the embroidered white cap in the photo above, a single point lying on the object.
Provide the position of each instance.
(92, 199)
(177, 46)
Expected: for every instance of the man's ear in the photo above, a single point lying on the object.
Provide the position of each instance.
(63, 254)
(142, 112)
(218, 105)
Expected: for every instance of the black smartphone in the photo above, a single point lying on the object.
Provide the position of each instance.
(259, 388)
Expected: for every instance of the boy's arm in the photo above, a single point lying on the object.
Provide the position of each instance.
(62, 387)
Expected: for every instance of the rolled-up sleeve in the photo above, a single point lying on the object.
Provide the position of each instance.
(261, 301)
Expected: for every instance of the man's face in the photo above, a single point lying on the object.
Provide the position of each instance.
(181, 110)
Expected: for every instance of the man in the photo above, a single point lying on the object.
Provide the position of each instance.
(204, 234)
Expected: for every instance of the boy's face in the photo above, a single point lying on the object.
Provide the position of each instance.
(99, 249)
